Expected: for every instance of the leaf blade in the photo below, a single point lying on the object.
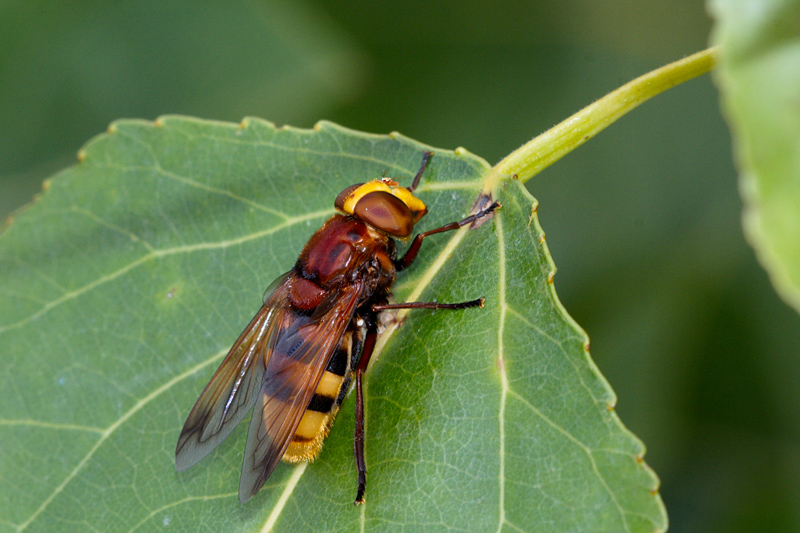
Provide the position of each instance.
(166, 234)
(758, 79)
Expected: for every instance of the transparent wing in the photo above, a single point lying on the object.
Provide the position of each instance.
(299, 356)
(234, 387)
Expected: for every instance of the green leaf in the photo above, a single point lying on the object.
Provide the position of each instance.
(759, 77)
(126, 283)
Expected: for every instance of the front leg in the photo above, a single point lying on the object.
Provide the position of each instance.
(405, 261)
(429, 305)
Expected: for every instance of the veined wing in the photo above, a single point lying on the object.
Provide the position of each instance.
(234, 387)
(299, 356)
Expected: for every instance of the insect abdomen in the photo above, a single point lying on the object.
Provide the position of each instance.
(321, 411)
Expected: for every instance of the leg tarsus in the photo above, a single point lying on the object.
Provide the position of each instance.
(358, 443)
(358, 440)
(429, 305)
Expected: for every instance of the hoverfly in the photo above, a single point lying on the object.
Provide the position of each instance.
(316, 329)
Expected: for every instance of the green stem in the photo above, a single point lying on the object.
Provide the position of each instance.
(552, 145)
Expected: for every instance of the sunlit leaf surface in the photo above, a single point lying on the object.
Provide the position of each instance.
(125, 284)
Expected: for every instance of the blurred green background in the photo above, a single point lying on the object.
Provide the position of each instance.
(643, 221)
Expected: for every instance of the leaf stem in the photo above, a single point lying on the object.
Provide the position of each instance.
(552, 145)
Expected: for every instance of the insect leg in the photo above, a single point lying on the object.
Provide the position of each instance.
(368, 347)
(411, 254)
(429, 305)
(358, 441)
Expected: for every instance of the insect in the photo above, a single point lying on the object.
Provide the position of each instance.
(316, 329)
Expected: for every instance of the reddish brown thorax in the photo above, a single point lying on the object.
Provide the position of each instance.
(343, 247)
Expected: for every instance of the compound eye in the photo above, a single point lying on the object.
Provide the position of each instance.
(386, 212)
(345, 195)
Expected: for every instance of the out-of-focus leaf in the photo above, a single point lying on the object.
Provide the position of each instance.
(68, 69)
(759, 77)
(125, 284)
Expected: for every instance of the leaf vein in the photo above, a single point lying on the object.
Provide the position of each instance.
(504, 387)
(163, 508)
(50, 425)
(155, 254)
(105, 434)
(586, 449)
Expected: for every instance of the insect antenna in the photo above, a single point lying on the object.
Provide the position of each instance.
(425, 158)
